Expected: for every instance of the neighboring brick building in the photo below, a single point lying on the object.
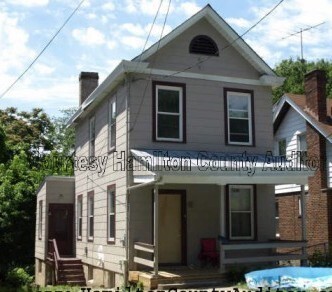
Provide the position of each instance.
(303, 123)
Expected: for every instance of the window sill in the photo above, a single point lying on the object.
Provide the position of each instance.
(111, 241)
(111, 150)
(90, 239)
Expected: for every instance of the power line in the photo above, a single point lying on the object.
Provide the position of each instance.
(149, 77)
(42, 51)
(230, 44)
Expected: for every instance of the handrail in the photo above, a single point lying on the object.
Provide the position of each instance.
(145, 248)
(56, 257)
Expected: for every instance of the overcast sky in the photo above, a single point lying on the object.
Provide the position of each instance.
(104, 32)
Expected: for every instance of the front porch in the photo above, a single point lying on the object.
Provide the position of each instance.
(172, 211)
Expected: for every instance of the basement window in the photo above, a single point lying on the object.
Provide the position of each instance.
(204, 45)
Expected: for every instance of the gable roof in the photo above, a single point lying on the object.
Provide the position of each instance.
(137, 65)
(299, 104)
(223, 28)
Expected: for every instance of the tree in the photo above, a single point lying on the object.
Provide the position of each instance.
(294, 72)
(32, 146)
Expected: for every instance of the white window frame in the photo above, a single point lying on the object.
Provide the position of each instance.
(248, 95)
(111, 195)
(92, 137)
(79, 217)
(40, 220)
(179, 89)
(112, 114)
(90, 214)
(251, 211)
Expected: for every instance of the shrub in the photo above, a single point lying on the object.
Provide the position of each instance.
(18, 276)
(320, 259)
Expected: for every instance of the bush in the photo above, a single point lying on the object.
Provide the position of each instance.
(319, 259)
(18, 276)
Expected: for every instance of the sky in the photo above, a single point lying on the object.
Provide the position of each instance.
(104, 32)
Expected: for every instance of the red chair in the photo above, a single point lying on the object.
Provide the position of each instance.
(209, 253)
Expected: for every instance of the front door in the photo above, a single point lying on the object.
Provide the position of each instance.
(172, 249)
(60, 227)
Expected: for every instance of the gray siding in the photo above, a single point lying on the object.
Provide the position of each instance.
(205, 117)
(87, 181)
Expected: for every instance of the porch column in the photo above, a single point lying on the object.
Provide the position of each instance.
(155, 225)
(222, 227)
(303, 223)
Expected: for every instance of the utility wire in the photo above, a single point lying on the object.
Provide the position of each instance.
(149, 77)
(42, 51)
(230, 44)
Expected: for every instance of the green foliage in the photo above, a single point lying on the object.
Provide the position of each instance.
(294, 72)
(28, 153)
(18, 277)
(320, 259)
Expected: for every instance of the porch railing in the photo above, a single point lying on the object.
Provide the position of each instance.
(274, 252)
(53, 255)
(146, 249)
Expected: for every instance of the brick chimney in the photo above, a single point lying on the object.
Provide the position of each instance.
(88, 82)
(315, 92)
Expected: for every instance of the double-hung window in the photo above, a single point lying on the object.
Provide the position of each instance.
(79, 217)
(40, 220)
(239, 128)
(111, 214)
(302, 147)
(112, 124)
(169, 112)
(90, 215)
(92, 137)
(241, 212)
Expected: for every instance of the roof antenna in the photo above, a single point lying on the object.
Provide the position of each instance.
(301, 37)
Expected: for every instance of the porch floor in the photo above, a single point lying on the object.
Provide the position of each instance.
(179, 277)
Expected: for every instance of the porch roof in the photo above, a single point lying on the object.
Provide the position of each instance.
(207, 167)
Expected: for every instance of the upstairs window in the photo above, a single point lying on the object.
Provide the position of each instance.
(282, 147)
(239, 117)
(92, 137)
(302, 147)
(204, 45)
(169, 112)
(112, 124)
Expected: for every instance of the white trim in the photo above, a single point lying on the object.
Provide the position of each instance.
(92, 136)
(118, 74)
(110, 195)
(309, 119)
(112, 103)
(223, 28)
(252, 210)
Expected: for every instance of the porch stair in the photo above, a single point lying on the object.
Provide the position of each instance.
(182, 278)
(70, 272)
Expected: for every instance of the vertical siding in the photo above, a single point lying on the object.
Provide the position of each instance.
(291, 126)
(329, 163)
(87, 181)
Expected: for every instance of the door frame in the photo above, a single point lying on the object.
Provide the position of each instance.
(69, 207)
(183, 195)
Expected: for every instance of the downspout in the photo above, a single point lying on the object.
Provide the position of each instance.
(126, 268)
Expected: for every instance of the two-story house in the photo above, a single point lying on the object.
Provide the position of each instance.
(170, 150)
(303, 124)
